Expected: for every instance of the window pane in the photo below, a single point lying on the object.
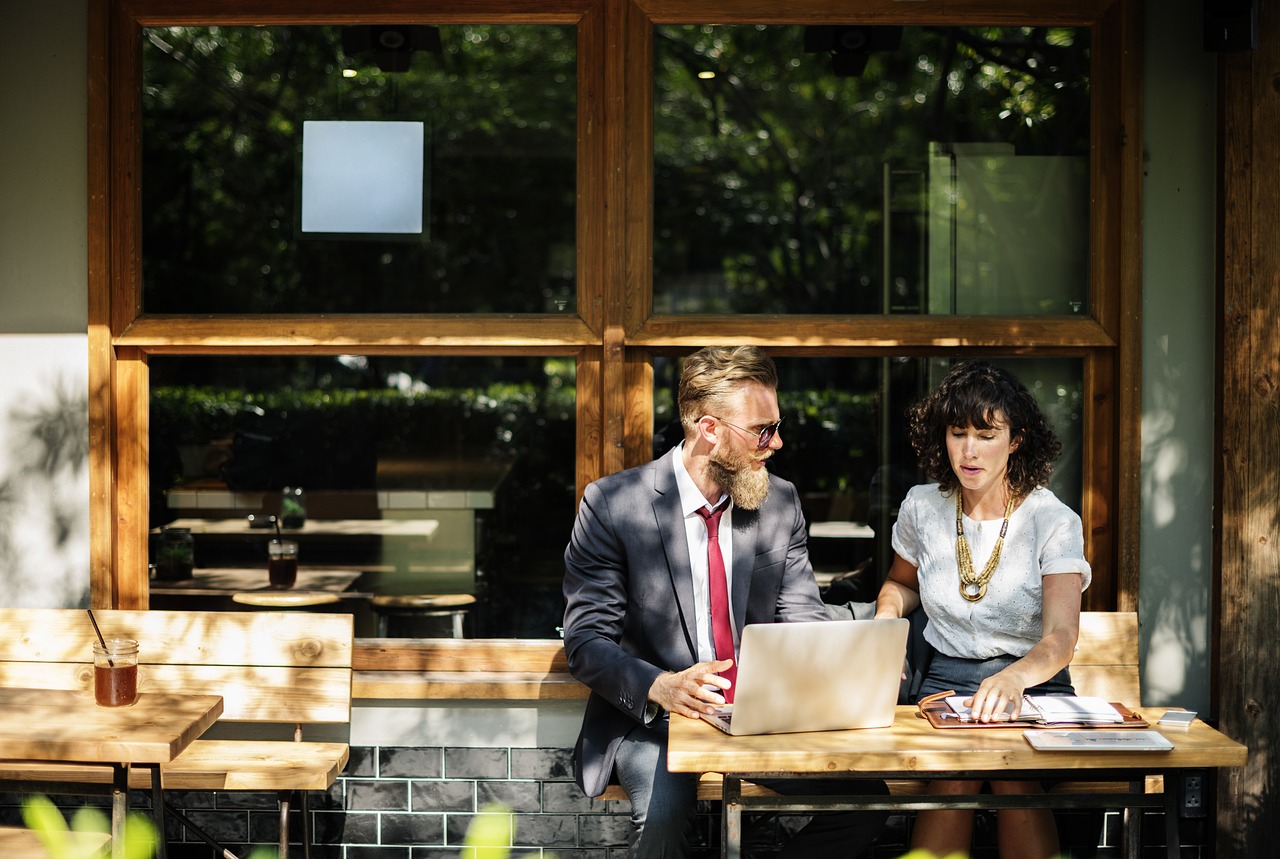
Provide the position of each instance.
(879, 170)
(224, 111)
(423, 475)
(845, 446)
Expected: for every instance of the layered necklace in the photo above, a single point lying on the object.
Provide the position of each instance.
(973, 586)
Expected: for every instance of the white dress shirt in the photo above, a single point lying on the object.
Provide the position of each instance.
(695, 529)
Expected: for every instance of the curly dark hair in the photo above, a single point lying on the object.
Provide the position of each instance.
(973, 393)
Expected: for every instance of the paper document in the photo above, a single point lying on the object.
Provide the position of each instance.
(1076, 708)
(958, 706)
(1050, 709)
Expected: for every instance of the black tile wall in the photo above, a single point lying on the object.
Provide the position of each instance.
(417, 803)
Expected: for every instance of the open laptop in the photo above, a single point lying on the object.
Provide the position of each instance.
(815, 676)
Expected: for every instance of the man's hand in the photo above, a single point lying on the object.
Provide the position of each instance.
(685, 692)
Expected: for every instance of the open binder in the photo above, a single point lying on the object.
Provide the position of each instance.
(941, 715)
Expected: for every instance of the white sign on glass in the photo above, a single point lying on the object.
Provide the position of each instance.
(362, 177)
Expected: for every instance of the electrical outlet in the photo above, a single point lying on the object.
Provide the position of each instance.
(1193, 795)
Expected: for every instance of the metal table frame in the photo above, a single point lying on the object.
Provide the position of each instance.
(736, 803)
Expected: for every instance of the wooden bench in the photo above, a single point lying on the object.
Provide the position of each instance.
(1105, 664)
(276, 671)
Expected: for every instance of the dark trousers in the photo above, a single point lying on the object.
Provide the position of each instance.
(663, 804)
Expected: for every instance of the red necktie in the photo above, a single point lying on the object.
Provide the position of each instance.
(721, 630)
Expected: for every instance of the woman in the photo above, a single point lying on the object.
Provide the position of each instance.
(998, 563)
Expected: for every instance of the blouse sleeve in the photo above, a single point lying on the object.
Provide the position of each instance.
(906, 534)
(1063, 548)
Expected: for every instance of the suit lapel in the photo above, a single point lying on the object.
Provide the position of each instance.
(666, 509)
(746, 535)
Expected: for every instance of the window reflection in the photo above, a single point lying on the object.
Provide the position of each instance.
(223, 110)
(845, 448)
(871, 170)
(420, 475)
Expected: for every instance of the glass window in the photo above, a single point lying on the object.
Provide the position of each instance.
(910, 173)
(845, 447)
(843, 169)
(223, 116)
(418, 475)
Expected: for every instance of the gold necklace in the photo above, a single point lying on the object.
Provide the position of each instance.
(974, 587)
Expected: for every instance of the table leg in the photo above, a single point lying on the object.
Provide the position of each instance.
(119, 808)
(1171, 809)
(157, 811)
(731, 818)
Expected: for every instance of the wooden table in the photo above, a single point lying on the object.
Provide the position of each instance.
(423, 529)
(911, 749)
(69, 727)
(222, 581)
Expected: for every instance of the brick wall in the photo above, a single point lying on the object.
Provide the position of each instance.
(408, 802)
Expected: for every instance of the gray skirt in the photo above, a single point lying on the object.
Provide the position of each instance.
(964, 675)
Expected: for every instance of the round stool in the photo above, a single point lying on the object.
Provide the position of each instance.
(454, 606)
(284, 599)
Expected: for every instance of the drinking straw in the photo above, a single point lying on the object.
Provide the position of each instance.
(110, 662)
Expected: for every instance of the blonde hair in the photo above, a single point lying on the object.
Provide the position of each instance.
(711, 376)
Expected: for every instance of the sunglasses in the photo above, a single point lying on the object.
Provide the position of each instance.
(763, 437)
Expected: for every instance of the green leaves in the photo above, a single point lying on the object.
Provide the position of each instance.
(43, 817)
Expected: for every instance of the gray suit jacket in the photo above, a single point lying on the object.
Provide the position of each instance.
(628, 591)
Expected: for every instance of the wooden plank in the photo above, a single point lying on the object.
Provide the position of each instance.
(211, 765)
(133, 492)
(181, 637)
(101, 355)
(1107, 638)
(251, 693)
(1113, 682)
(913, 745)
(371, 334)
(1247, 673)
(877, 335)
(1106, 664)
(465, 686)
(259, 12)
(1125, 378)
(711, 785)
(958, 12)
(56, 725)
(462, 655)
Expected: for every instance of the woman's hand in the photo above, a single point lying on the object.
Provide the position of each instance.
(1000, 693)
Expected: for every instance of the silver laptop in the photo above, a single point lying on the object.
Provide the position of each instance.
(816, 676)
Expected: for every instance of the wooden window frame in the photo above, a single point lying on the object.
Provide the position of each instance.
(615, 333)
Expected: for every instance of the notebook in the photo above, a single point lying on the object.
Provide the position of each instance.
(815, 676)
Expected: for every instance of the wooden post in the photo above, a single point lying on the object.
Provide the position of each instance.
(1247, 687)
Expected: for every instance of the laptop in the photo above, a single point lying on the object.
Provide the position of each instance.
(816, 676)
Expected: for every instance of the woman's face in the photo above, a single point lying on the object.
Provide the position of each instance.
(980, 457)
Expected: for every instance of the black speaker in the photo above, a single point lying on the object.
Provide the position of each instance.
(1230, 25)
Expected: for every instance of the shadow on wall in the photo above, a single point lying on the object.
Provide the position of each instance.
(44, 483)
(1176, 487)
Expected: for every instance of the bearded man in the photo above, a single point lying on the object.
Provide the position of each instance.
(644, 581)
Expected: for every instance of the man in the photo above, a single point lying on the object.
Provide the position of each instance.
(640, 591)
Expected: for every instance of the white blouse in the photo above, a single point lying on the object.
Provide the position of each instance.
(1045, 537)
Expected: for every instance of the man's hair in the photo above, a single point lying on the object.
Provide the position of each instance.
(711, 376)
(972, 394)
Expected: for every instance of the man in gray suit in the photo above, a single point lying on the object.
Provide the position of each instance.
(637, 627)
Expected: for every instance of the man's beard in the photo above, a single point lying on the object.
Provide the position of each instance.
(747, 486)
